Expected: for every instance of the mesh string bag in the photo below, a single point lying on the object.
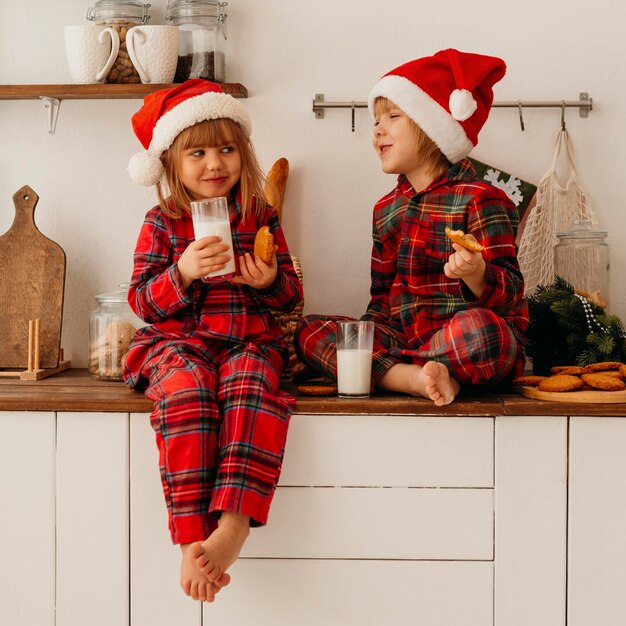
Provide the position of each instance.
(556, 209)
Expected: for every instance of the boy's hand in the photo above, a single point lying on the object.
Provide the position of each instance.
(255, 273)
(467, 266)
(201, 257)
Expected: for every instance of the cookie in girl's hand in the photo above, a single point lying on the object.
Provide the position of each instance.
(467, 241)
(264, 244)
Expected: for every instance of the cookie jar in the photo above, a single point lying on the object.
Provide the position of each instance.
(202, 29)
(120, 15)
(581, 257)
(111, 327)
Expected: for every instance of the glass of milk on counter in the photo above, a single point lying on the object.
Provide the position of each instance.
(210, 217)
(355, 341)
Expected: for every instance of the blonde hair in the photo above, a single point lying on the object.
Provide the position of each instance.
(424, 145)
(212, 133)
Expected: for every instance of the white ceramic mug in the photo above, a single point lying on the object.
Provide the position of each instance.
(91, 50)
(153, 49)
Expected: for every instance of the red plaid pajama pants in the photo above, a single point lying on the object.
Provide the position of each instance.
(221, 425)
(477, 346)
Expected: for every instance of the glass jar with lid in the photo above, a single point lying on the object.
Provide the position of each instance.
(581, 257)
(120, 15)
(111, 327)
(202, 27)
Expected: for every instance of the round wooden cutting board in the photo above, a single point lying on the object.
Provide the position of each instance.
(598, 397)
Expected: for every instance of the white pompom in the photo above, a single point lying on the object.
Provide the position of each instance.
(145, 169)
(462, 104)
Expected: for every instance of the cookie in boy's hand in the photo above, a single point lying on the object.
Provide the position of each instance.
(264, 244)
(467, 241)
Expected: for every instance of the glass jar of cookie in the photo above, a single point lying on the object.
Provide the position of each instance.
(121, 16)
(111, 327)
(201, 31)
(582, 258)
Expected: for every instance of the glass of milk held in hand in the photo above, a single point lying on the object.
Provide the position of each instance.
(210, 218)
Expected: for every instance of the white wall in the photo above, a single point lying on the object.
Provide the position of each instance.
(284, 53)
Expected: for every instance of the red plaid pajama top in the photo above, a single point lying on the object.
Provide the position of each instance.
(205, 311)
(409, 290)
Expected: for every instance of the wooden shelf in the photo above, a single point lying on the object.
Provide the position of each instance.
(97, 91)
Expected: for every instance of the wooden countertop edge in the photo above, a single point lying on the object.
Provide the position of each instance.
(75, 391)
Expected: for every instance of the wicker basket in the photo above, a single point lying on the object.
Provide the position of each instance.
(288, 323)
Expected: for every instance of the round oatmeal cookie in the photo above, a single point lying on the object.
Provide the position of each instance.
(605, 383)
(469, 242)
(317, 390)
(622, 370)
(572, 370)
(560, 382)
(612, 373)
(528, 381)
(605, 365)
(264, 244)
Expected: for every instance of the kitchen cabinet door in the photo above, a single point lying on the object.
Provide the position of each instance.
(597, 522)
(531, 521)
(27, 570)
(157, 599)
(92, 519)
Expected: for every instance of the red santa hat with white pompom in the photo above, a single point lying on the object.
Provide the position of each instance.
(167, 112)
(448, 95)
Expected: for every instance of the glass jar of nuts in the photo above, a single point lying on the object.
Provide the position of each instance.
(201, 28)
(120, 15)
(111, 327)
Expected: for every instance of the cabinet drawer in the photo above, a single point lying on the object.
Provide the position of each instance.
(363, 593)
(388, 451)
(362, 523)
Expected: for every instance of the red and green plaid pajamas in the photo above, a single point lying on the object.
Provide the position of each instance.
(211, 361)
(421, 314)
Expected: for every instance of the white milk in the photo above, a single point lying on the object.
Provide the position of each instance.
(354, 372)
(220, 228)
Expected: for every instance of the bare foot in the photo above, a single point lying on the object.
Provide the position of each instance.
(221, 549)
(432, 381)
(441, 389)
(192, 580)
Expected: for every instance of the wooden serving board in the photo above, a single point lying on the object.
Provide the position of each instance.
(594, 397)
(32, 275)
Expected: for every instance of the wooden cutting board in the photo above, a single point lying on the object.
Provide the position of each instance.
(32, 279)
(594, 397)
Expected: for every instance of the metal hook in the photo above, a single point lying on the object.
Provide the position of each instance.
(353, 107)
(521, 116)
(563, 128)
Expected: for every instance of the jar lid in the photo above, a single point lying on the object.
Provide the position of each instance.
(115, 297)
(195, 8)
(581, 229)
(120, 9)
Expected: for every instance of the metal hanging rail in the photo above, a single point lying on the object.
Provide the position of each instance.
(584, 104)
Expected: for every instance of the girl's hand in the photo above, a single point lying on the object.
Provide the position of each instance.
(201, 257)
(255, 273)
(468, 266)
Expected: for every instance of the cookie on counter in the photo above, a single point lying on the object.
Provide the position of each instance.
(603, 382)
(605, 365)
(528, 381)
(572, 370)
(560, 382)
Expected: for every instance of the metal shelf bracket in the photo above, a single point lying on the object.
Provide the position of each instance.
(51, 109)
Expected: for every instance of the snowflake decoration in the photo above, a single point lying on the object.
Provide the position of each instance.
(510, 187)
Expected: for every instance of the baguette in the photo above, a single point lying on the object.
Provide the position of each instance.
(276, 184)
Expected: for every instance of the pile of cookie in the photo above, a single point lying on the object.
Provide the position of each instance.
(606, 376)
